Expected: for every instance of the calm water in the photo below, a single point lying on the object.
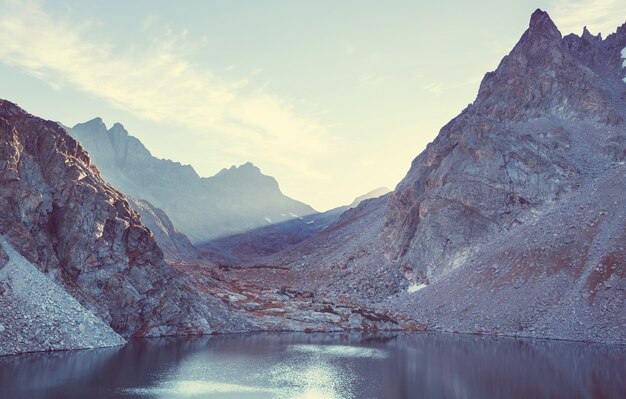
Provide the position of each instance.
(323, 366)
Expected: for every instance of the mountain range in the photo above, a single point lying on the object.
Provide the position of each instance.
(511, 222)
(236, 200)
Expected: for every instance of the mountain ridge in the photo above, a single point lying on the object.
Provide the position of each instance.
(235, 200)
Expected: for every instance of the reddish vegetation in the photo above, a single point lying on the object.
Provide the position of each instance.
(612, 265)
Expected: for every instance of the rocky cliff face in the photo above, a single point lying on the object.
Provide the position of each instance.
(540, 127)
(236, 200)
(174, 244)
(59, 214)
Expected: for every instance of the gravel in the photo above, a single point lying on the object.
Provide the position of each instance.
(37, 315)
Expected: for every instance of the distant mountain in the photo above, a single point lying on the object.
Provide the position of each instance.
(252, 245)
(235, 200)
(378, 192)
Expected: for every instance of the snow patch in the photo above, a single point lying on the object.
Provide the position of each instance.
(294, 215)
(310, 222)
(415, 287)
(268, 220)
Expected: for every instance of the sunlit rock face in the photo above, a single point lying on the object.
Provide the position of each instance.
(236, 200)
(58, 213)
(551, 114)
(175, 245)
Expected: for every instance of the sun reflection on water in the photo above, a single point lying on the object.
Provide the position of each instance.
(307, 372)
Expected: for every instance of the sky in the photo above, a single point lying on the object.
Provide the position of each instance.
(332, 98)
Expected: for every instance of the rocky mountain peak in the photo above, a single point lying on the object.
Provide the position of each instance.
(542, 25)
(95, 124)
(587, 36)
(512, 142)
(119, 128)
(245, 177)
(247, 168)
(547, 75)
(541, 44)
(9, 109)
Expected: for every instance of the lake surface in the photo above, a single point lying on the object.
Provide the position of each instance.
(323, 366)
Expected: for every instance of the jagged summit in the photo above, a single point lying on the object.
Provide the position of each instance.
(246, 168)
(118, 127)
(546, 75)
(95, 123)
(542, 25)
(586, 35)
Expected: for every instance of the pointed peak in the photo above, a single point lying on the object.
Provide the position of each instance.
(119, 129)
(247, 168)
(95, 120)
(589, 37)
(542, 24)
(93, 123)
(248, 165)
(117, 132)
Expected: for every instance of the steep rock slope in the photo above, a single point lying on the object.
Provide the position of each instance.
(37, 315)
(519, 147)
(561, 275)
(236, 200)
(59, 214)
(175, 245)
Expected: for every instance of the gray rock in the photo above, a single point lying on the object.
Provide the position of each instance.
(58, 213)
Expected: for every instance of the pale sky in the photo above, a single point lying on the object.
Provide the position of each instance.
(332, 98)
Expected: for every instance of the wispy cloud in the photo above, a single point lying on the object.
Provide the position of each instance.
(435, 88)
(161, 84)
(438, 88)
(598, 15)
